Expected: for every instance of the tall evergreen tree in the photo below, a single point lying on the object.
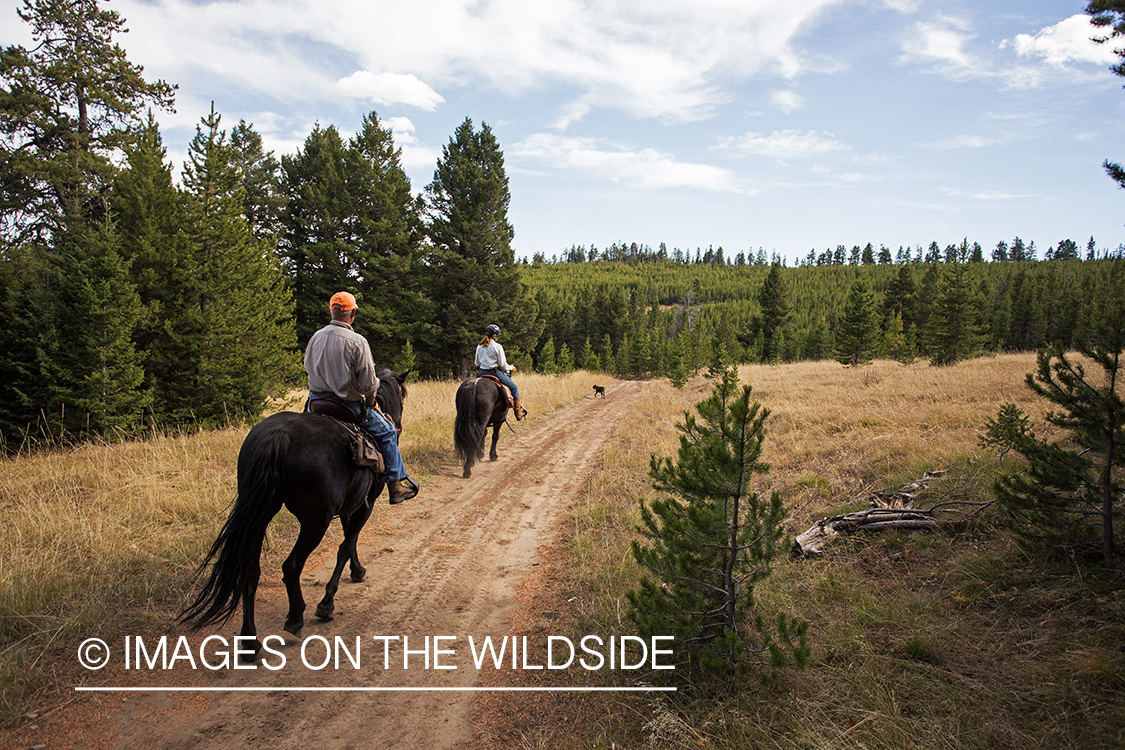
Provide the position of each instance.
(858, 333)
(150, 216)
(245, 346)
(471, 267)
(955, 331)
(261, 182)
(386, 232)
(67, 106)
(776, 315)
(315, 246)
(94, 372)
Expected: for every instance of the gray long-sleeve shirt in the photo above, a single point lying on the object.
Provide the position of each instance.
(338, 360)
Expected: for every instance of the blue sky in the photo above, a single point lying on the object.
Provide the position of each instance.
(744, 124)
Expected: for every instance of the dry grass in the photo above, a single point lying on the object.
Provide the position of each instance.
(947, 640)
(110, 533)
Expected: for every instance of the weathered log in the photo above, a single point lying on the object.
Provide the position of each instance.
(891, 510)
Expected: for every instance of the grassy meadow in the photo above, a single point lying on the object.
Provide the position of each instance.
(109, 534)
(927, 640)
(919, 640)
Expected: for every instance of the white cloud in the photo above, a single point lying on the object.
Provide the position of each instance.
(390, 88)
(946, 44)
(659, 59)
(787, 101)
(963, 141)
(642, 168)
(987, 195)
(941, 42)
(1066, 41)
(414, 154)
(783, 144)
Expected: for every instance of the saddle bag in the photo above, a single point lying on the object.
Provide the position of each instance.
(366, 451)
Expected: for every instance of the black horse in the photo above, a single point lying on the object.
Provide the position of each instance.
(305, 462)
(481, 403)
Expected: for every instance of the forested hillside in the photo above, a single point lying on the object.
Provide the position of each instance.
(652, 314)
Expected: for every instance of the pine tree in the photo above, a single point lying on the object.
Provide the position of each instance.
(264, 203)
(94, 372)
(587, 359)
(776, 315)
(150, 215)
(955, 331)
(68, 106)
(471, 267)
(564, 360)
(318, 256)
(545, 363)
(385, 233)
(857, 333)
(245, 309)
(709, 542)
(1070, 495)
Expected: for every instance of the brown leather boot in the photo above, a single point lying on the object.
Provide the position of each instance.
(398, 492)
(519, 410)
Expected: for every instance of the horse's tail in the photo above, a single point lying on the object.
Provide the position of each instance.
(468, 432)
(238, 547)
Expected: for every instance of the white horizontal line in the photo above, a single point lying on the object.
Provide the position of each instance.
(372, 689)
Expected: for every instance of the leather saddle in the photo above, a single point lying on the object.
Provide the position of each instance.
(503, 388)
(364, 450)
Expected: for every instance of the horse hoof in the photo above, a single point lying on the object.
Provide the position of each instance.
(251, 655)
(294, 626)
(359, 575)
(325, 613)
(466, 474)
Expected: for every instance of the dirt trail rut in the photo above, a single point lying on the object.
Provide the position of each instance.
(446, 564)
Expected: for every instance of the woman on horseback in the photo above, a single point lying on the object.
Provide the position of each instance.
(491, 361)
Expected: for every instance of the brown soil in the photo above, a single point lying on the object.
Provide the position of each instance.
(454, 563)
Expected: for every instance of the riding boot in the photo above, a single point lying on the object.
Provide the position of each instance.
(398, 492)
(519, 410)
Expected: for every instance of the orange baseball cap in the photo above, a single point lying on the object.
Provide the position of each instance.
(342, 301)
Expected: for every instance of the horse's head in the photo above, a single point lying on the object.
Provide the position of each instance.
(392, 395)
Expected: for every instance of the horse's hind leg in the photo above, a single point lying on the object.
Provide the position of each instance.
(492, 454)
(346, 552)
(307, 540)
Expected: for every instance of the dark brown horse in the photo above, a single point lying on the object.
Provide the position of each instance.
(481, 403)
(305, 462)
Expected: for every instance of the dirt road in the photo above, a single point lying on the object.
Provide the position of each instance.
(443, 570)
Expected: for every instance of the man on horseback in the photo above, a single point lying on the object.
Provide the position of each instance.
(491, 361)
(340, 367)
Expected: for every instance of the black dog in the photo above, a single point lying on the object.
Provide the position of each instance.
(599, 390)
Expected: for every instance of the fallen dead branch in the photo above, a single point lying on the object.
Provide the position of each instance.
(889, 510)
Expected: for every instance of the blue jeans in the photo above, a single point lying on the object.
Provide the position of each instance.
(385, 434)
(503, 376)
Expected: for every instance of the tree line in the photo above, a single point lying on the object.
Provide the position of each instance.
(1016, 251)
(654, 319)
